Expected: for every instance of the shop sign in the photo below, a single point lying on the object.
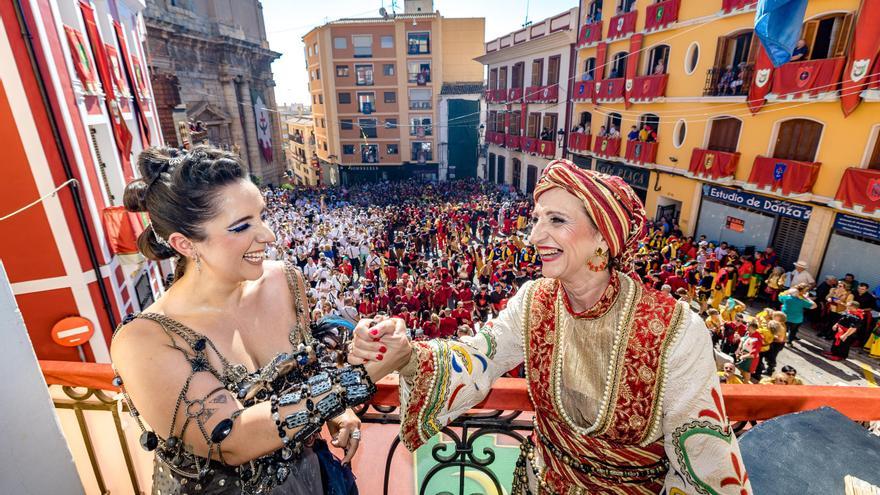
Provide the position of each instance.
(632, 176)
(861, 227)
(761, 203)
(735, 224)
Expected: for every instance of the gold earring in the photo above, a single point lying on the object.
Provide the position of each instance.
(198, 261)
(602, 263)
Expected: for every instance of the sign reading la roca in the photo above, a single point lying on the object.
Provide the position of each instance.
(770, 205)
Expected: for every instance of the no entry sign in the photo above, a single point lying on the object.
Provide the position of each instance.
(72, 331)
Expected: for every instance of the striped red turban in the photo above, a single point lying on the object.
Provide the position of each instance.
(612, 205)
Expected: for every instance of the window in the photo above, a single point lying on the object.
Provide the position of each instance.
(370, 153)
(418, 43)
(553, 70)
(502, 78)
(548, 127)
(390, 97)
(657, 60)
(421, 152)
(493, 78)
(874, 158)
(320, 99)
(391, 149)
(363, 45)
(532, 125)
(391, 123)
(346, 124)
(344, 98)
(323, 123)
(386, 42)
(538, 72)
(418, 72)
(420, 126)
(419, 99)
(347, 149)
(340, 43)
(318, 74)
(798, 139)
(679, 134)
(388, 69)
(341, 71)
(589, 69)
(517, 172)
(366, 103)
(827, 37)
(316, 49)
(314, 100)
(368, 127)
(364, 75)
(516, 76)
(724, 134)
(613, 120)
(618, 66)
(514, 123)
(325, 145)
(692, 58)
(310, 50)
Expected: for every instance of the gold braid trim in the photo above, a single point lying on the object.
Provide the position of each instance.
(673, 332)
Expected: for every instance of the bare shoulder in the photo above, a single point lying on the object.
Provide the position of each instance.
(138, 335)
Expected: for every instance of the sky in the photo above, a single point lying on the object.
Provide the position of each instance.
(288, 20)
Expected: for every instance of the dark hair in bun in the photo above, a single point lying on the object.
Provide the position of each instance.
(179, 190)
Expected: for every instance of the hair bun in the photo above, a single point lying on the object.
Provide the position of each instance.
(135, 196)
(155, 161)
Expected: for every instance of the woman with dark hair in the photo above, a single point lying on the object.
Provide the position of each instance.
(222, 373)
(622, 377)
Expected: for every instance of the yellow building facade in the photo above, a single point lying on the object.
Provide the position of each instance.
(770, 178)
(302, 160)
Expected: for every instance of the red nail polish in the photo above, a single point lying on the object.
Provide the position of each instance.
(382, 349)
(377, 340)
(379, 357)
(374, 332)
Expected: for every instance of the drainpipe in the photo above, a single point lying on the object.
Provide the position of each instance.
(65, 162)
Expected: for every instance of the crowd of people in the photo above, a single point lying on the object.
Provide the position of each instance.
(446, 256)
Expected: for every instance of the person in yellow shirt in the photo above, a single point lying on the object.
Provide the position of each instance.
(767, 336)
(728, 375)
(715, 324)
(731, 308)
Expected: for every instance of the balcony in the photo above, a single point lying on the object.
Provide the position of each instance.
(783, 176)
(514, 94)
(542, 94)
(728, 6)
(607, 146)
(609, 90)
(583, 91)
(859, 191)
(648, 88)
(420, 104)
(579, 142)
(660, 15)
(511, 141)
(495, 137)
(807, 78)
(711, 164)
(535, 146)
(641, 152)
(623, 25)
(109, 460)
(721, 81)
(496, 95)
(590, 34)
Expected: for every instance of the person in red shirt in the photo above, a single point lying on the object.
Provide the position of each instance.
(462, 315)
(412, 302)
(677, 281)
(440, 296)
(367, 308)
(382, 300)
(448, 324)
(346, 267)
(391, 273)
(745, 272)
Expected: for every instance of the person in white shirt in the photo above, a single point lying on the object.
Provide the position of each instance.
(800, 275)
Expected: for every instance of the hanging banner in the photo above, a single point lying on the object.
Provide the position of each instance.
(82, 62)
(264, 127)
(862, 54)
(138, 87)
(761, 82)
(140, 80)
(121, 134)
(116, 71)
(601, 53)
(632, 66)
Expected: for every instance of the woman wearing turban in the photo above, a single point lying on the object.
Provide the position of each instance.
(622, 377)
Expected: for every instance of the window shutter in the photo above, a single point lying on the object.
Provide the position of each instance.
(842, 40)
(809, 34)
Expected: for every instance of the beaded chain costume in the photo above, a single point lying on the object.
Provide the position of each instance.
(312, 374)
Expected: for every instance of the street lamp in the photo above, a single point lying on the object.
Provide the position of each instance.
(560, 136)
(481, 144)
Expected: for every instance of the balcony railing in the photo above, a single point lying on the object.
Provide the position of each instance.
(622, 25)
(583, 91)
(609, 90)
(807, 78)
(721, 81)
(112, 465)
(647, 88)
(662, 14)
(859, 191)
(606, 146)
(538, 147)
(495, 137)
(711, 164)
(511, 141)
(420, 104)
(496, 95)
(641, 152)
(579, 142)
(783, 176)
(542, 94)
(514, 94)
(590, 34)
(731, 5)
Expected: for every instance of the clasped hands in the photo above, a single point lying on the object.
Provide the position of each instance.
(381, 344)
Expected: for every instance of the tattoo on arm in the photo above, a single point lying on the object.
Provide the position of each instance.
(220, 399)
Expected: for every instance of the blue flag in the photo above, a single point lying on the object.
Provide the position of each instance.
(778, 26)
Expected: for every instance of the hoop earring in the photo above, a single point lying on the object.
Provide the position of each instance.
(597, 266)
